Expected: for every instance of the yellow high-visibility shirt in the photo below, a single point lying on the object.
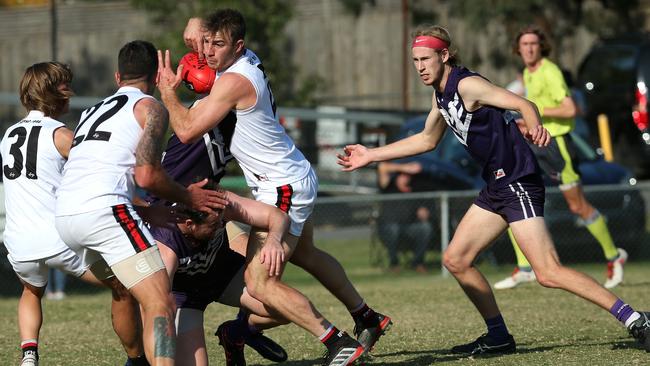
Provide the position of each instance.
(546, 88)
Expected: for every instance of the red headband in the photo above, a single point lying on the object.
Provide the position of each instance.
(429, 42)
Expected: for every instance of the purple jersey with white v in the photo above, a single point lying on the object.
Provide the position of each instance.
(206, 158)
(203, 272)
(493, 140)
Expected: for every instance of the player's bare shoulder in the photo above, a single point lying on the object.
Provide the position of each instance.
(475, 90)
(234, 88)
(146, 108)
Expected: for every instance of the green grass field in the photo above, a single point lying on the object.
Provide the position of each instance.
(431, 314)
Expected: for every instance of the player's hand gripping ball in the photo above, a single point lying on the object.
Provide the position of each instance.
(197, 75)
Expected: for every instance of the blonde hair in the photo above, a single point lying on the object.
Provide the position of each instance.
(39, 87)
(442, 34)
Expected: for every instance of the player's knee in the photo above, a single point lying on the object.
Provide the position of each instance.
(159, 305)
(454, 262)
(576, 208)
(548, 277)
(254, 290)
(255, 287)
(548, 282)
(581, 208)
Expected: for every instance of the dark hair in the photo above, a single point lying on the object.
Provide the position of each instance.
(544, 44)
(137, 60)
(39, 88)
(197, 216)
(226, 21)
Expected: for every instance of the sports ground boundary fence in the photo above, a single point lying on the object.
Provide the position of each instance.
(354, 217)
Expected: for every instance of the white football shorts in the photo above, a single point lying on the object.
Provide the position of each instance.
(114, 233)
(36, 272)
(296, 199)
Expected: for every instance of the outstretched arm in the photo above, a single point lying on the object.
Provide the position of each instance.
(264, 216)
(357, 156)
(477, 92)
(150, 175)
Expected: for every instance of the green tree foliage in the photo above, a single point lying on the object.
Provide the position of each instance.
(557, 17)
(265, 23)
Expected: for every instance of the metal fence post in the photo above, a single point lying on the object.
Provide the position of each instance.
(444, 229)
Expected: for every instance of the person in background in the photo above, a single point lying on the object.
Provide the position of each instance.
(546, 87)
(55, 289)
(403, 223)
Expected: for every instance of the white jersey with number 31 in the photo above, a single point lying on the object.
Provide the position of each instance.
(264, 151)
(99, 172)
(31, 167)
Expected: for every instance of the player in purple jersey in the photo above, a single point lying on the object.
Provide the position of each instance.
(514, 196)
(204, 269)
(186, 163)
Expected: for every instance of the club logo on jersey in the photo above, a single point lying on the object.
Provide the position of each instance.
(456, 117)
(261, 177)
(498, 174)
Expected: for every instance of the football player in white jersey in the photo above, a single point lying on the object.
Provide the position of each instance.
(34, 151)
(277, 173)
(118, 144)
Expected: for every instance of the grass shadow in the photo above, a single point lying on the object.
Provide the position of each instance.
(428, 357)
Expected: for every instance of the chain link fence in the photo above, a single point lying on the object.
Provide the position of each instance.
(624, 208)
(356, 217)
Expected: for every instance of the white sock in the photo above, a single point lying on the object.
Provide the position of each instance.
(26, 341)
(635, 315)
(327, 331)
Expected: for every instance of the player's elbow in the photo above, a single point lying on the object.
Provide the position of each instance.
(187, 136)
(146, 176)
(184, 136)
(429, 144)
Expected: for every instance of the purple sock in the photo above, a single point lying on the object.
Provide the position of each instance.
(238, 328)
(621, 311)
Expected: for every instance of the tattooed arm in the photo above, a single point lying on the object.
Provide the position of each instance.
(150, 175)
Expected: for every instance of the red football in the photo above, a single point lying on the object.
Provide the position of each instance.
(197, 75)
